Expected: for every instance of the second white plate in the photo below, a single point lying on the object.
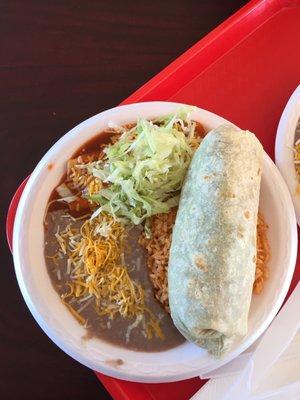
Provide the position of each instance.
(284, 154)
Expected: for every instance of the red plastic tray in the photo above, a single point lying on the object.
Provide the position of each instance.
(245, 70)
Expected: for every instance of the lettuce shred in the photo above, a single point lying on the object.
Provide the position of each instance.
(144, 170)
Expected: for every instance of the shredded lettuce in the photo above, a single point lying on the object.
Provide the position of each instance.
(144, 170)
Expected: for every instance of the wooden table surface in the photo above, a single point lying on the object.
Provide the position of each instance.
(60, 63)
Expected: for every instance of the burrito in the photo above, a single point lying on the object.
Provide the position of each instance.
(213, 251)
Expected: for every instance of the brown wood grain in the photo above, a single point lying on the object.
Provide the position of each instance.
(61, 62)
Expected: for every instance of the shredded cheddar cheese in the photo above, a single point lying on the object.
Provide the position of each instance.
(97, 273)
(79, 176)
(297, 157)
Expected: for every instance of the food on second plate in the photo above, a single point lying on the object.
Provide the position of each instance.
(297, 150)
(96, 216)
(213, 251)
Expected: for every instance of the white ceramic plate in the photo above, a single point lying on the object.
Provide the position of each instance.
(284, 155)
(44, 303)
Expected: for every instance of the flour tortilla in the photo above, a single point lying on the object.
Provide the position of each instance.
(213, 252)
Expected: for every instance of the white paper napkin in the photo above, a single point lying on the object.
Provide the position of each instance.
(272, 371)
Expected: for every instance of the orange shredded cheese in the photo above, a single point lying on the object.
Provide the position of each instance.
(79, 176)
(297, 155)
(97, 271)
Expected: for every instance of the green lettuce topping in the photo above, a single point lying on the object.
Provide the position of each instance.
(144, 170)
